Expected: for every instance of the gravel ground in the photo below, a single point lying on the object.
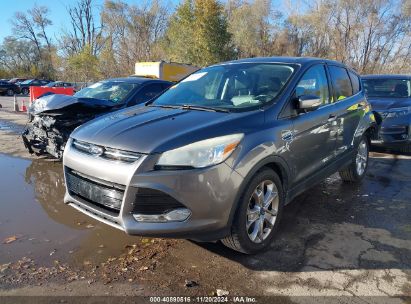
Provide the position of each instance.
(334, 240)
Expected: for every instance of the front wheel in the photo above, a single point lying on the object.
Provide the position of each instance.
(25, 91)
(10, 92)
(355, 172)
(258, 214)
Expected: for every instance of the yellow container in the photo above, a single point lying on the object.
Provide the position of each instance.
(170, 71)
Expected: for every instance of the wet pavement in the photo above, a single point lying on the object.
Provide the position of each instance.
(45, 227)
(335, 239)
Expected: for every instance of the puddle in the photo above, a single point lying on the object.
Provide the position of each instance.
(32, 209)
(8, 126)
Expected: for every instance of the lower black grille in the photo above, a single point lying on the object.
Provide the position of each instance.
(150, 201)
(106, 196)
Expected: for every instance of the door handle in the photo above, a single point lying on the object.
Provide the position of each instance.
(332, 118)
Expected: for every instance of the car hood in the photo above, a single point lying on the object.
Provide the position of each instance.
(382, 104)
(53, 102)
(154, 130)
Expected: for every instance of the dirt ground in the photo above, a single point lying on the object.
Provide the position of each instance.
(334, 240)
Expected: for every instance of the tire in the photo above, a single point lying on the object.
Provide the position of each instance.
(10, 92)
(356, 171)
(240, 238)
(25, 91)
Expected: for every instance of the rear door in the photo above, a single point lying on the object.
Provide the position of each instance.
(313, 143)
(349, 106)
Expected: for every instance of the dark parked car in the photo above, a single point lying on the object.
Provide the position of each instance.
(390, 97)
(218, 155)
(54, 116)
(59, 84)
(17, 80)
(24, 87)
(8, 88)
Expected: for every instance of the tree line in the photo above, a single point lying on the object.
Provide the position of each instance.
(372, 36)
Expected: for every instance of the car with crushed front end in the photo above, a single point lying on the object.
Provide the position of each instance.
(219, 154)
(52, 117)
(390, 98)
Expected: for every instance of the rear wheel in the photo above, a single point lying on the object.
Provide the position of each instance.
(25, 91)
(355, 172)
(258, 214)
(10, 92)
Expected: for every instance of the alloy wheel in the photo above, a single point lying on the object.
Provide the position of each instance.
(262, 211)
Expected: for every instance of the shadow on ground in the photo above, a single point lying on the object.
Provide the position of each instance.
(337, 226)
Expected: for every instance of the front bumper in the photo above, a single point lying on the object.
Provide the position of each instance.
(393, 131)
(208, 193)
(38, 141)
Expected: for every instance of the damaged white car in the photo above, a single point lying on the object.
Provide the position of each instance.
(53, 117)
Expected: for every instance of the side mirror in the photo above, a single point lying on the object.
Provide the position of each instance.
(308, 102)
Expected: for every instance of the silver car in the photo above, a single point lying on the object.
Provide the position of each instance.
(219, 154)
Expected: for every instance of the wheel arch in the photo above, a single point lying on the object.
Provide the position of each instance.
(277, 164)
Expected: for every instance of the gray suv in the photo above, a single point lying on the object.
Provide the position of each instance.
(219, 154)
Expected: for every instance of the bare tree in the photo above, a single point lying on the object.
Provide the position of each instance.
(134, 31)
(84, 31)
(30, 27)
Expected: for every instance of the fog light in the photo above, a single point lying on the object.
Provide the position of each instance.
(176, 215)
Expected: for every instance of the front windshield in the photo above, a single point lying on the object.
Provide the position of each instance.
(385, 88)
(242, 86)
(52, 84)
(114, 91)
(27, 81)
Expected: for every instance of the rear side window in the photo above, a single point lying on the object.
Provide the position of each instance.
(148, 92)
(314, 83)
(341, 82)
(355, 81)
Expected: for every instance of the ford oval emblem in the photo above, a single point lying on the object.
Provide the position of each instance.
(95, 150)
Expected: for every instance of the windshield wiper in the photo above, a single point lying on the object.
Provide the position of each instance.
(191, 107)
(203, 108)
(164, 106)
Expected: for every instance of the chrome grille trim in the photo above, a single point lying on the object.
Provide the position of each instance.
(106, 152)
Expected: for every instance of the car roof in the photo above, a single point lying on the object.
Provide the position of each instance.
(280, 59)
(386, 76)
(138, 80)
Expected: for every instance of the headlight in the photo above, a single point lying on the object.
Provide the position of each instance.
(398, 112)
(38, 105)
(202, 153)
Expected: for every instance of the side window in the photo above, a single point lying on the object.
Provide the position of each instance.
(147, 92)
(341, 82)
(355, 81)
(314, 83)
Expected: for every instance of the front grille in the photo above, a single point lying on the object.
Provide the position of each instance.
(394, 130)
(108, 196)
(105, 152)
(150, 201)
